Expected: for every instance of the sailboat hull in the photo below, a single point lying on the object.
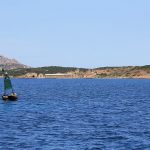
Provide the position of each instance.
(10, 97)
(7, 87)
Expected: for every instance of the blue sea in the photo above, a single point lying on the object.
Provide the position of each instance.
(77, 114)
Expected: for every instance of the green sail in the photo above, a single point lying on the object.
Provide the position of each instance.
(7, 83)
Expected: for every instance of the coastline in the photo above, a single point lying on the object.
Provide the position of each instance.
(56, 72)
(78, 78)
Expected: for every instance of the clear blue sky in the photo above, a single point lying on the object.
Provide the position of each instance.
(81, 33)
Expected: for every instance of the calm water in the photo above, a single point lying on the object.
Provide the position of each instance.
(77, 114)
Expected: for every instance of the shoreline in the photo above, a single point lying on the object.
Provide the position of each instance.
(76, 78)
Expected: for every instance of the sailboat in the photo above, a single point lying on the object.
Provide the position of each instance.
(9, 93)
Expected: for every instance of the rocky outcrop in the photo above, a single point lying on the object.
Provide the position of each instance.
(8, 63)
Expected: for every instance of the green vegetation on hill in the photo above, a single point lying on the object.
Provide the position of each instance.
(43, 70)
(103, 72)
(147, 67)
(125, 72)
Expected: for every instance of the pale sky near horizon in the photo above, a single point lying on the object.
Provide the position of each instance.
(79, 33)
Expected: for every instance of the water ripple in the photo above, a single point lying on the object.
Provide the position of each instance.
(77, 114)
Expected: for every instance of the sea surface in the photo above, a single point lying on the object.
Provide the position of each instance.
(77, 114)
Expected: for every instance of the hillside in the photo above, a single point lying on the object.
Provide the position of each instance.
(9, 64)
(124, 72)
(43, 70)
(102, 72)
(17, 69)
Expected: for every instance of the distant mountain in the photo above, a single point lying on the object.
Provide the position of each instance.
(9, 64)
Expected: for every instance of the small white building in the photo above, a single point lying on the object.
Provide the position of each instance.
(58, 75)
